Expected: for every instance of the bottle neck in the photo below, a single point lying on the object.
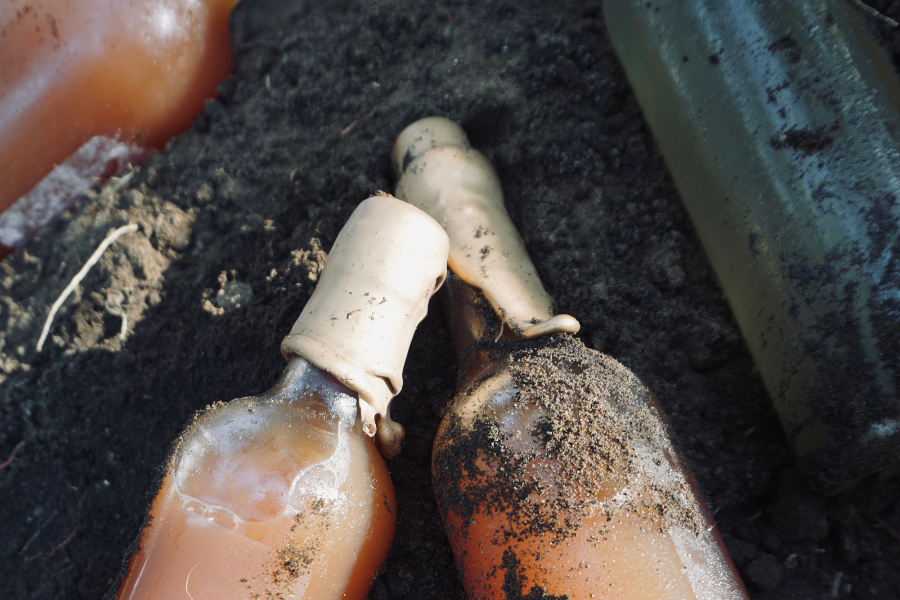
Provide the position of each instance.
(479, 333)
(470, 317)
(303, 382)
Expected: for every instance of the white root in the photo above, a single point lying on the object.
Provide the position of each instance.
(112, 237)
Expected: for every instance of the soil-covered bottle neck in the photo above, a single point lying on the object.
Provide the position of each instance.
(471, 320)
(480, 334)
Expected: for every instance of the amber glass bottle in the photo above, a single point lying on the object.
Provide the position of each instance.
(285, 495)
(279, 494)
(556, 477)
(88, 86)
(553, 467)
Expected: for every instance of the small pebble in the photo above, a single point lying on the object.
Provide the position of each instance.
(234, 294)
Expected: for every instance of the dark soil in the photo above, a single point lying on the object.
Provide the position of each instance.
(244, 204)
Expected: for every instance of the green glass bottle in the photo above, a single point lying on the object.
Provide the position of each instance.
(780, 123)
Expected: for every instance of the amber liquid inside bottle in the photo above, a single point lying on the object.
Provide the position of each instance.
(556, 477)
(136, 71)
(275, 496)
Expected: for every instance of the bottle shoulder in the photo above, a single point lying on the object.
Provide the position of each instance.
(247, 455)
(570, 425)
(555, 365)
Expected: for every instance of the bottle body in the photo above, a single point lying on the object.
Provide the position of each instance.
(555, 475)
(279, 495)
(585, 500)
(104, 80)
(779, 123)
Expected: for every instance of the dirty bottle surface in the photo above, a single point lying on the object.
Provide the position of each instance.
(780, 123)
(555, 475)
(553, 468)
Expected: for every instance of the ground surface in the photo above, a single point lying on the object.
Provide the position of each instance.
(260, 187)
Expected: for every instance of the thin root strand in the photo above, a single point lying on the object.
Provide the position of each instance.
(106, 243)
(12, 456)
(56, 548)
(879, 524)
(444, 12)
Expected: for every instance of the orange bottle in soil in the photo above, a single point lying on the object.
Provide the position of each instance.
(285, 494)
(553, 467)
(133, 71)
(556, 477)
(279, 495)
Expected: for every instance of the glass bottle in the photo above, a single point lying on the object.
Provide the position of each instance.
(553, 467)
(93, 85)
(285, 494)
(274, 494)
(778, 120)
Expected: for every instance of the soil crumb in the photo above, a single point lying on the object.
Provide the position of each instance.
(789, 46)
(514, 582)
(807, 141)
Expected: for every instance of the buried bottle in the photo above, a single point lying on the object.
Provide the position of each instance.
(89, 86)
(553, 467)
(285, 495)
(779, 123)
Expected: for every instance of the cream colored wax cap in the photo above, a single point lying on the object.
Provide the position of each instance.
(385, 264)
(460, 189)
(423, 135)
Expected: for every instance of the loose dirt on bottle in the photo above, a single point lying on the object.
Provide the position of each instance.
(596, 426)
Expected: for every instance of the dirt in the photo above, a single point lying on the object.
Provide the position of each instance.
(789, 45)
(297, 557)
(808, 141)
(514, 583)
(595, 422)
(257, 190)
(577, 443)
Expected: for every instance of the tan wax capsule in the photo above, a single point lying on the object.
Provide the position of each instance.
(460, 189)
(423, 135)
(385, 265)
